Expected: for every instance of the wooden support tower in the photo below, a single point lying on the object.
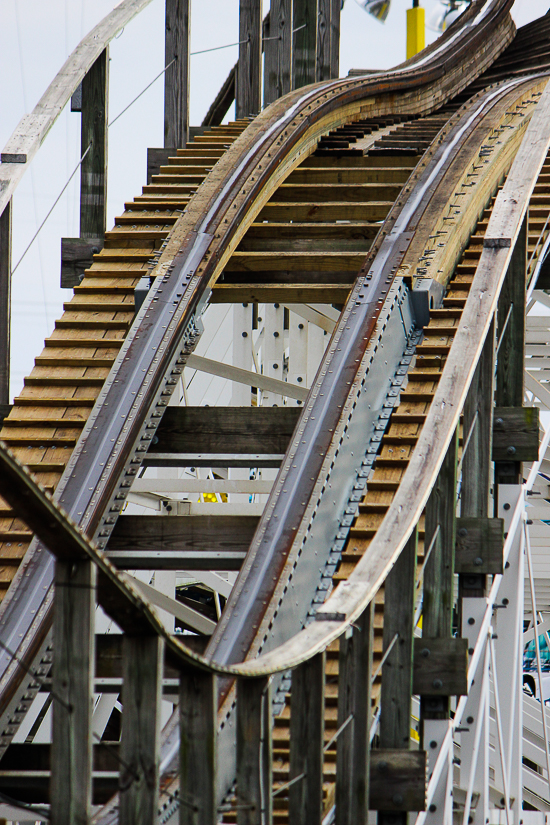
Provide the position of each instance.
(93, 143)
(176, 77)
(306, 14)
(249, 70)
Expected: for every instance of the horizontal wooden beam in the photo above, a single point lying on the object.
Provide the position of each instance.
(280, 293)
(479, 546)
(181, 542)
(398, 780)
(440, 667)
(226, 429)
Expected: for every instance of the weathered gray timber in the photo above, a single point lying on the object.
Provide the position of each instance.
(73, 641)
(437, 610)
(211, 429)
(249, 70)
(516, 434)
(77, 255)
(305, 42)
(511, 346)
(198, 706)
(93, 140)
(335, 39)
(176, 77)
(5, 303)
(278, 51)
(307, 725)
(324, 34)
(354, 711)
(254, 752)
(140, 741)
(440, 666)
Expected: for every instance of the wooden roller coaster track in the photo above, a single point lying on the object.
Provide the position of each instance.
(409, 201)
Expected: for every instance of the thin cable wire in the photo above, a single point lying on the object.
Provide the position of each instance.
(52, 208)
(217, 48)
(141, 93)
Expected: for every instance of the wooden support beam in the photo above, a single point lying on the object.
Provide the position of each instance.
(440, 666)
(278, 51)
(72, 687)
(176, 78)
(249, 77)
(511, 346)
(140, 741)
(335, 39)
(254, 752)
(213, 429)
(5, 303)
(324, 34)
(479, 547)
(354, 700)
(307, 723)
(438, 593)
(198, 735)
(93, 171)
(305, 42)
(516, 434)
(397, 672)
(398, 778)
(476, 464)
(77, 255)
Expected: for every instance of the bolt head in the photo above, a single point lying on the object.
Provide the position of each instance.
(478, 561)
(510, 450)
(437, 684)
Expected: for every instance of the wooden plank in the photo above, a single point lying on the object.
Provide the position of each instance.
(254, 752)
(437, 609)
(335, 39)
(216, 429)
(440, 666)
(280, 293)
(77, 255)
(176, 78)
(516, 434)
(324, 34)
(354, 699)
(249, 79)
(5, 303)
(140, 739)
(93, 171)
(278, 51)
(198, 737)
(398, 780)
(307, 722)
(305, 42)
(72, 685)
(157, 157)
(395, 702)
(479, 546)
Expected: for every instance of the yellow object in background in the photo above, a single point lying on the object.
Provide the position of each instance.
(416, 31)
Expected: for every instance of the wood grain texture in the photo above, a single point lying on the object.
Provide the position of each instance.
(278, 51)
(398, 779)
(72, 684)
(353, 744)
(249, 69)
(197, 707)
(324, 35)
(516, 434)
(176, 78)
(5, 303)
(140, 740)
(93, 171)
(479, 546)
(305, 42)
(440, 666)
(254, 752)
(335, 38)
(307, 722)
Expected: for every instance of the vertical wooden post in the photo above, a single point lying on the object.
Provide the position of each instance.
(249, 70)
(176, 78)
(335, 39)
(5, 303)
(324, 33)
(305, 42)
(254, 752)
(72, 688)
(278, 52)
(198, 706)
(307, 725)
(397, 672)
(140, 741)
(93, 172)
(353, 744)
(437, 609)
(511, 352)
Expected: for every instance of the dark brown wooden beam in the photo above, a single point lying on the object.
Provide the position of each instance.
(324, 34)
(198, 734)
(335, 39)
(181, 542)
(93, 172)
(77, 255)
(254, 752)
(226, 429)
(249, 70)
(516, 434)
(305, 42)
(176, 77)
(280, 293)
(398, 779)
(440, 666)
(5, 303)
(479, 547)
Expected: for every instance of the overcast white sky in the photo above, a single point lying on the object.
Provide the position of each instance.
(35, 38)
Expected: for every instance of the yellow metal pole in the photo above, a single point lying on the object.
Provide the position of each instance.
(416, 30)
